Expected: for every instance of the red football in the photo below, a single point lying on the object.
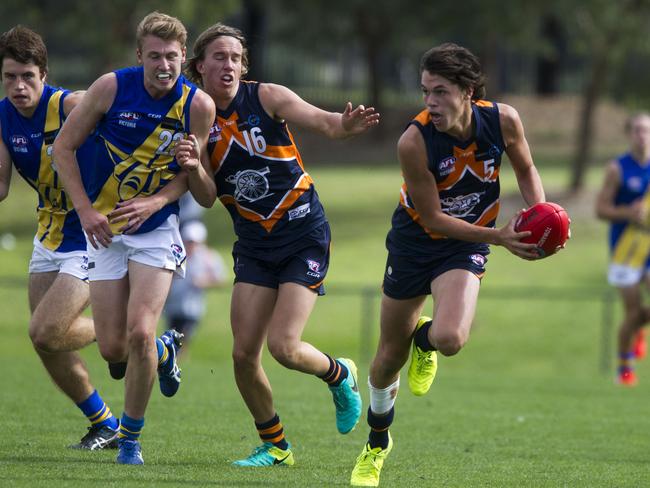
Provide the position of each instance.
(548, 224)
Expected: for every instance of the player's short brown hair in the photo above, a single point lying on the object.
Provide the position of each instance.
(457, 64)
(25, 46)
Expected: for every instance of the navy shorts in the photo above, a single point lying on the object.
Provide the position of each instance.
(305, 263)
(411, 276)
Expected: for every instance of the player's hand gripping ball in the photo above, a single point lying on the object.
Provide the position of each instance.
(549, 227)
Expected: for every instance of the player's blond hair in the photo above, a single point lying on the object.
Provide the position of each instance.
(204, 40)
(629, 122)
(163, 26)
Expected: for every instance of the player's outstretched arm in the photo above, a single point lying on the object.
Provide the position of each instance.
(192, 152)
(518, 151)
(76, 129)
(284, 105)
(5, 170)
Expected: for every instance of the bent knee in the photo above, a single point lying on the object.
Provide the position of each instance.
(43, 338)
(285, 353)
(113, 353)
(450, 344)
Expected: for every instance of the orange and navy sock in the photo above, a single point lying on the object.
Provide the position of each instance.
(130, 428)
(273, 432)
(336, 373)
(421, 337)
(97, 411)
(379, 425)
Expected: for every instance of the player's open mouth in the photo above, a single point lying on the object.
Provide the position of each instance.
(436, 118)
(164, 76)
(227, 78)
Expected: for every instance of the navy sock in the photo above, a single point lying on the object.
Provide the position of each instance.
(421, 337)
(336, 373)
(379, 425)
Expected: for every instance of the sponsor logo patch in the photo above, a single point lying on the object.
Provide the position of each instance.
(299, 212)
(477, 259)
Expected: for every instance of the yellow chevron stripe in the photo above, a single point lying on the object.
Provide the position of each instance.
(633, 247)
(146, 170)
(51, 216)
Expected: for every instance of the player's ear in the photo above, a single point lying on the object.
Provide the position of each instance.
(138, 55)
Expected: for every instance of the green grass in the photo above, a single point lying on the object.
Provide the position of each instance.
(524, 404)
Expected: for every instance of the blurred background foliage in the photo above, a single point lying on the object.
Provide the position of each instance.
(584, 51)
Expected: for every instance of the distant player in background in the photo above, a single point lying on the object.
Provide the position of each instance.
(624, 201)
(450, 156)
(150, 121)
(282, 252)
(30, 117)
(205, 268)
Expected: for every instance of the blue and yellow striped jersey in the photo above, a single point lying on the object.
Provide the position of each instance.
(29, 141)
(138, 135)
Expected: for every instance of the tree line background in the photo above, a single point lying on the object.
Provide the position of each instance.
(335, 50)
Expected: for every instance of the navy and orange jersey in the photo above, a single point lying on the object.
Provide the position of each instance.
(138, 135)
(467, 178)
(259, 175)
(635, 183)
(29, 142)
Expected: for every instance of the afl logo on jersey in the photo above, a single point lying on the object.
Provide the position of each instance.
(446, 166)
(19, 143)
(129, 119)
(215, 133)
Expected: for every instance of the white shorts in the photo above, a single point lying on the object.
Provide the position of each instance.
(160, 248)
(623, 276)
(43, 260)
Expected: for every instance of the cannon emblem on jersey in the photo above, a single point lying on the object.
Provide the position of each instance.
(250, 185)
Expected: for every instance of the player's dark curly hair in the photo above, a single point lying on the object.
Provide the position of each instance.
(25, 46)
(202, 42)
(457, 64)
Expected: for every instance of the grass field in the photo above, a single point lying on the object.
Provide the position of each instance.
(524, 404)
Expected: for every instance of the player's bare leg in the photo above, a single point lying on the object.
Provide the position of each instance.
(250, 309)
(57, 330)
(455, 294)
(148, 290)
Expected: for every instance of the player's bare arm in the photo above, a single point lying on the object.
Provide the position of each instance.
(518, 151)
(606, 208)
(284, 105)
(76, 129)
(423, 191)
(192, 153)
(72, 100)
(5, 170)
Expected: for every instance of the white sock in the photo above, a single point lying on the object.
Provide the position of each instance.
(382, 399)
